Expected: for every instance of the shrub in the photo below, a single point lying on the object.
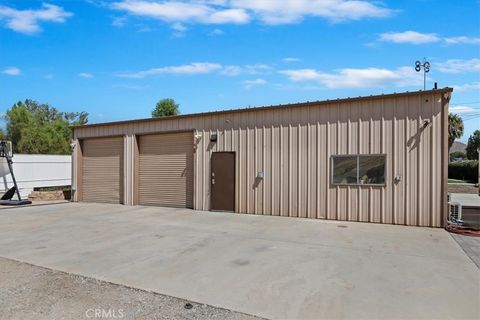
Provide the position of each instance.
(458, 155)
(463, 170)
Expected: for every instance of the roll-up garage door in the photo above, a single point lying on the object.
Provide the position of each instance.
(102, 170)
(166, 170)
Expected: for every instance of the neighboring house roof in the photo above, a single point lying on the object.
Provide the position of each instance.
(458, 146)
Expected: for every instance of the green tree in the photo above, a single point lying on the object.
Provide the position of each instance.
(472, 145)
(458, 155)
(165, 108)
(455, 128)
(41, 128)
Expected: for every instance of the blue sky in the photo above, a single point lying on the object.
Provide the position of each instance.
(115, 59)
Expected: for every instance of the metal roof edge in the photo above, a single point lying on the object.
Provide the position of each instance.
(279, 106)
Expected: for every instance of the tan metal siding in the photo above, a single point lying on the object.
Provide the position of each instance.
(102, 170)
(166, 170)
(293, 147)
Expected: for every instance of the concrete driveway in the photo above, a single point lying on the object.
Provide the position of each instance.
(266, 266)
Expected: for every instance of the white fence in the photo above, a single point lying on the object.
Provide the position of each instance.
(38, 170)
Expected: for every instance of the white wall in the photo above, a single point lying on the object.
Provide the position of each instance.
(38, 170)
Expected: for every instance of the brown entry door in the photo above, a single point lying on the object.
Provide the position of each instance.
(222, 181)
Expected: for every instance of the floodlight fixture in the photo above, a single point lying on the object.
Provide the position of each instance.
(425, 65)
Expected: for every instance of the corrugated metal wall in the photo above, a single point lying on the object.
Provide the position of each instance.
(293, 147)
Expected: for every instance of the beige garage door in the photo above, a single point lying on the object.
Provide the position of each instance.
(102, 170)
(166, 170)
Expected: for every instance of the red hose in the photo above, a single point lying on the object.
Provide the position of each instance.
(466, 231)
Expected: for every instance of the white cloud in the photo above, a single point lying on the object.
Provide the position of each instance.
(85, 75)
(257, 68)
(301, 74)
(243, 11)
(458, 66)
(467, 87)
(292, 11)
(462, 40)
(200, 68)
(176, 11)
(12, 71)
(256, 82)
(119, 22)
(290, 59)
(28, 21)
(186, 69)
(233, 70)
(216, 32)
(357, 78)
(461, 109)
(179, 27)
(412, 37)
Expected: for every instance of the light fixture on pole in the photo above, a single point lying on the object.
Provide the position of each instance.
(426, 68)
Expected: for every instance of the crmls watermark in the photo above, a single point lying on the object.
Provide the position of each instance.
(104, 314)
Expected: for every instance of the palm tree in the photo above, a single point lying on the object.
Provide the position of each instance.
(455, 128)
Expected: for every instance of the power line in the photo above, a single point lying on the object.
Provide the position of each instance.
(470, 114)
(472, 118)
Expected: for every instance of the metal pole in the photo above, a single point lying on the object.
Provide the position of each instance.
(424, 79)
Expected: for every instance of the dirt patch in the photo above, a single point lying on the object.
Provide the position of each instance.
(31, 292)
(462, 188)
(49, 195)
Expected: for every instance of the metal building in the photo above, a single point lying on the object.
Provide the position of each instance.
(376, 159)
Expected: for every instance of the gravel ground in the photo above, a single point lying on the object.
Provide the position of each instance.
(31, 292)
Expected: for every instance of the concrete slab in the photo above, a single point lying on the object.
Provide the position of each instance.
(471, 246)
(35, 203)
(267, 266)
(466, 199)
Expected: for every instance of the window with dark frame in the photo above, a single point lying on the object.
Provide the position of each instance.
(358, 169)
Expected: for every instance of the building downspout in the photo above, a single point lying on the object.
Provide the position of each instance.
(445, 158)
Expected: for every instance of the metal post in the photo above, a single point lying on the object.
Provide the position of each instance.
(424, 80)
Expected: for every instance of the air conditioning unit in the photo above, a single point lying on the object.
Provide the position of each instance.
(455, 211)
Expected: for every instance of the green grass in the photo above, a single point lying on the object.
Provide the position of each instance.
(460, 181)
